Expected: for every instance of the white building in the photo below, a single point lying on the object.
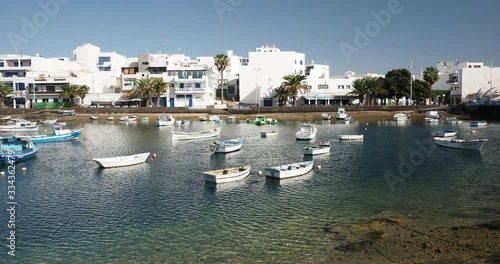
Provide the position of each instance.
(468, 81)
(193, 82)
(263, 71)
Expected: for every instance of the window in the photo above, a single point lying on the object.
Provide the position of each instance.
(197, 85)
(301, 62)
(341, 87)
(348, 87)
(51, 89)
(129, 70)
(128, 82)
(181, 85)
(145, 63)
(1, 63)
(20, 87)
(323, 86)
(55, 100)
(104, 68)
(231, 90)
(102, 60)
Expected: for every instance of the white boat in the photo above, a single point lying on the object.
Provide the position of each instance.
(444, 133)
(231, 118)
(306, 132)
(202, 118)
(432, 114)
(213, 118)
(20, 125)
(289, 170)
(124, 118)
(132, 118)
(401, 117)
(478, 123)
(6, 118)
(180, 135)
(94, 117)
(268, 133)
(183, 122)
(165, 120)
(472, 144)
(226, 146)
(326, 116)
(453, 120)
(351, 137)
(432, 120)
(122, 160)
(227, 175)
(341, 113)
(321, 148)
(110, 118)
(49, 121)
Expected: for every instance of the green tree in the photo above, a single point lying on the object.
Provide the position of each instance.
(421, 91)
(295, 83)
(82, 91)
(143, 88)
(397, 84)
(70, 91)
(359, 89)
(282, 93)
(374, 88)
(221, 62)
(431, 75)
(5, 89)
(159, 86)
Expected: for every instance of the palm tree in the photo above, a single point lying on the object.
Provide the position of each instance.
(359, 89)
(295, 83)
(82, 91)
(5, 89)
(281, 93)
(431, 75)
(221, 62)
(143, 89)
(69, 91)
(373, 88)
(158, 86)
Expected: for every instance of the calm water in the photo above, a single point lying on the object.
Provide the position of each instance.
(69, 211)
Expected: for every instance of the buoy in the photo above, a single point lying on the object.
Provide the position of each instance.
(155, 156)
(24, 169)
(2, 173)
(260, 173)
(319, 167)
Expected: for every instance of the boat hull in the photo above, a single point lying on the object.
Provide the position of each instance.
(226, 146)
(268, 134)
(122, 161)
(476, 144)
(227, 175)
(351, 137)
(178, 135)
(74, 135)
(444, 133)
(316, 150)
(8, 154)
(289, 170)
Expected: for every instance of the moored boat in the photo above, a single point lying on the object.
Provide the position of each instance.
(181, 135)
(94, 117)
(289, 170)
(432, 114)
(471, 144)
(165, 120)
(260, 120)
(453, 120)
(122, 161)
(20, 125)
(326, 116)
(431, 120)
(444, 133)
(59, 135)
(16, 148)
(319, 149)
(132, 118)
(124, 118)
(306, 132)
(213, 118)
(226, 146)
(268, 133)
(478, 123)
(351, 137)
(401, 117)
(341, 113)
(202, 118)
(227, 174)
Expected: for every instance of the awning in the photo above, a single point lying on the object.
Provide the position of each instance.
(318, 98)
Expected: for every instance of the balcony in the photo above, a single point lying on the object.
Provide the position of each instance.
(190, 90)
(452, 81)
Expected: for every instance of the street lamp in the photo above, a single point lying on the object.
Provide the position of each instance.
(185, 97)
(256, 87)
(411, 81)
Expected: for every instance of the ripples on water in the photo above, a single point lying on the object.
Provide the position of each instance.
(72, 211)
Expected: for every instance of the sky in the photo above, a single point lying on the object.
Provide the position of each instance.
(364, 36)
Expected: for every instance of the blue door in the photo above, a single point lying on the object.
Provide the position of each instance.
(190, 102)
(163, 101)
(172, 102)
